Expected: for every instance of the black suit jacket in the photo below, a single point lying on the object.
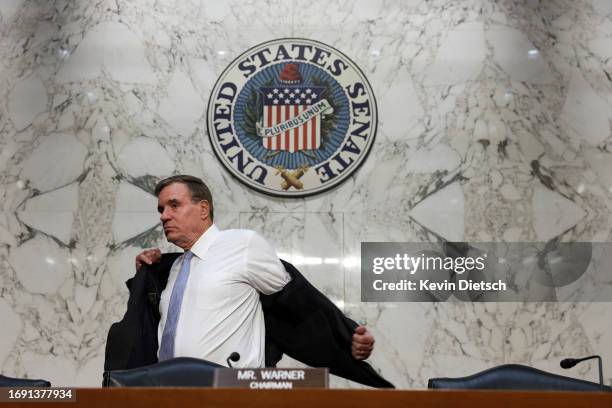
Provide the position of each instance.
(300, 322)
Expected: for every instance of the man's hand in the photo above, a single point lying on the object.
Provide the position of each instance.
(148, 256)
(363, 343)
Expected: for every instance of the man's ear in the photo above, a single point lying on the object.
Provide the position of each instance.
(204, 209)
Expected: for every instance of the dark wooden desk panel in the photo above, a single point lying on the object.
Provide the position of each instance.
(194, 397)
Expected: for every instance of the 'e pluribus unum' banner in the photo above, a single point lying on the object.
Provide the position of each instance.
(317, 109)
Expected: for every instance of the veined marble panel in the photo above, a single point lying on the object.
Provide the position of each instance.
(27, 100)
(494, 126)
(53, 212)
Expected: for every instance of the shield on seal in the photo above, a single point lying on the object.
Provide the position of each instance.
(291, 116)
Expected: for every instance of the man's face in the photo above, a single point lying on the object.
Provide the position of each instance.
(183, 220)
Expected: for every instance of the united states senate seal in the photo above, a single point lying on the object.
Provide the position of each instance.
(292, 117)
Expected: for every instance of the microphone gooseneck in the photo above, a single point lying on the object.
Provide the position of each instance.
(571, 362)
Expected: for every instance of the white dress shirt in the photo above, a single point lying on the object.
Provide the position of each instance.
(221, 312)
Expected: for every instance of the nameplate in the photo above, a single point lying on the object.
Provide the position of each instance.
(271, 378)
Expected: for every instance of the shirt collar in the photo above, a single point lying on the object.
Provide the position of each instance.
(201, 246)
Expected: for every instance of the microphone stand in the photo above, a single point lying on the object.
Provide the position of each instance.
(600, 373)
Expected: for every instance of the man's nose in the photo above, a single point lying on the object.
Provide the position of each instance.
(165, 215)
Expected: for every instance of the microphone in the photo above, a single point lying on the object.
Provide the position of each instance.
(234, 357)
(570, 362)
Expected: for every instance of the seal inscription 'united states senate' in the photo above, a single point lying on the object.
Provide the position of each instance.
(292, 117)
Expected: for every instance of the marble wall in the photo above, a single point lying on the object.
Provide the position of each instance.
(495, 124)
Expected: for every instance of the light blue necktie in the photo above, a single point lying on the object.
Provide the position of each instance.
(166, 349)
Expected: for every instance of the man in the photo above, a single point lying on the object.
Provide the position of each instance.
(211, 304)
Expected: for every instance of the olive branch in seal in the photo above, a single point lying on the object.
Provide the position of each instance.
(328, 121)
(253, 111)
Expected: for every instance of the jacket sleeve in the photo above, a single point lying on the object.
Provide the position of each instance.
(132, 342)
(304, 324)
(123, 336)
